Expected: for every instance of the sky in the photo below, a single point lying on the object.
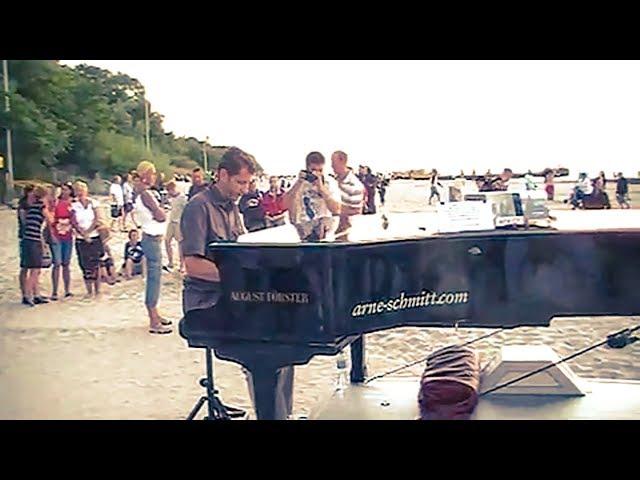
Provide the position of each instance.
(401, 115)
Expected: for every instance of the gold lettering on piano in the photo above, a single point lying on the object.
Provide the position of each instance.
(403, 301)
(247, 296)
(271, 297)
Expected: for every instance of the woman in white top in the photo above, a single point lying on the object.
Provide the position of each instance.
(153, 222)
(84, 218)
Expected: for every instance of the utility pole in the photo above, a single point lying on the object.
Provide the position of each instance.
(146, 125)
(7, 108)
(204, 156)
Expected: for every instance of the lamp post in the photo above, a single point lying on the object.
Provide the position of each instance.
(7, 108)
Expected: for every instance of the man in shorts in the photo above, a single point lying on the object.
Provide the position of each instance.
(177, 202)
(117, 202)
(127, 191)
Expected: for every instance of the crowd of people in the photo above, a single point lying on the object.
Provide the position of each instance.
(265, 209)
(52, 221)
(592, 191)
(587, 191)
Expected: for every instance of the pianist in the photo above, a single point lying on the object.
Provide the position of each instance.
(213, 216)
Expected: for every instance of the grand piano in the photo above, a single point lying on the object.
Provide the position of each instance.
(281, 305)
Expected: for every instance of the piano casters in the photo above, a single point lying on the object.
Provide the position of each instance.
(216, 409)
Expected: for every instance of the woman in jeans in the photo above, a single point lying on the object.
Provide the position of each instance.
(62, 241)
(153, 223)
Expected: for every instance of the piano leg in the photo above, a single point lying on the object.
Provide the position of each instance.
(358, 363)
(272, 391)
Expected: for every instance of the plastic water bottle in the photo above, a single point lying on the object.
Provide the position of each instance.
(341, 365)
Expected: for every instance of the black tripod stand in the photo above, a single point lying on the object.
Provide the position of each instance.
(216, 409)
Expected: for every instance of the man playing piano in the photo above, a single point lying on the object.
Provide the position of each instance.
(214, 216)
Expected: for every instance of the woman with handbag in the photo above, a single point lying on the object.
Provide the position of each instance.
(85, 221)
(23, 206)
(35, 250)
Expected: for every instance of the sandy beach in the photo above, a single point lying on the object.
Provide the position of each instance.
(94, 359)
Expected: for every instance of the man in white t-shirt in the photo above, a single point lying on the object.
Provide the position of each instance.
(313, 200)
(585, 184)
(117, 202)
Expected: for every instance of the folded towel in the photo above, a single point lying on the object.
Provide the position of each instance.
(449, 385)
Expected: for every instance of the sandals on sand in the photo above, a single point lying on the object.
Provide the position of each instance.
(165, 322)
(160, 330)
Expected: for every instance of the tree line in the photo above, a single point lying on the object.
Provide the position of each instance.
(81, 121)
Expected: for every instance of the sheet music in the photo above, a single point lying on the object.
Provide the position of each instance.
(465, 217)
(284, 234)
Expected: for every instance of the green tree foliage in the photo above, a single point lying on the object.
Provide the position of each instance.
(88, 120)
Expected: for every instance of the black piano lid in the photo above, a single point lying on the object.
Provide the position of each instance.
(513, 272)
(481, 234)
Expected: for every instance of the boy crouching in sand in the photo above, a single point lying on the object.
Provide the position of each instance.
(133, 256)
(107, 267)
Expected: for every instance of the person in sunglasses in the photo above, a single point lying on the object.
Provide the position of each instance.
(313, 200)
